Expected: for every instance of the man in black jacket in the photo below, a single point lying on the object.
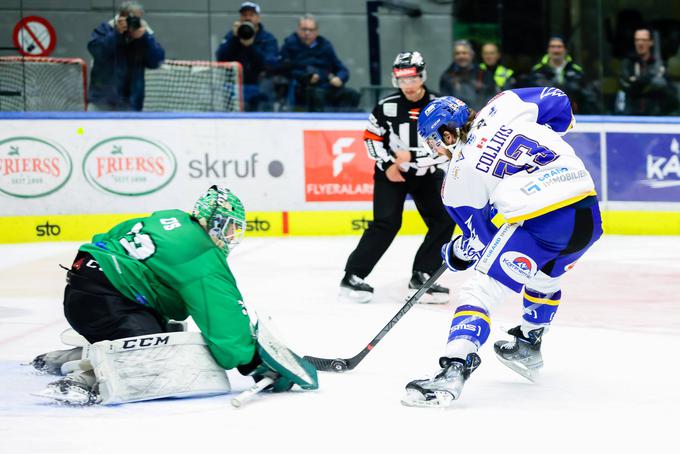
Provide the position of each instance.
(558, 69)
(317, 74)
(403, 166)
(644, 80)
(462, 78)
(256, 49)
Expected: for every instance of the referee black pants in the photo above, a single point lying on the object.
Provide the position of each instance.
(388, 206)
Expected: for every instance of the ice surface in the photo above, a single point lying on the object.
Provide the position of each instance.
(610, 380)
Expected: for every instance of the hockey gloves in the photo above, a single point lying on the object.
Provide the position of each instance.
(276, 361)
(448, 252)
(281, 383)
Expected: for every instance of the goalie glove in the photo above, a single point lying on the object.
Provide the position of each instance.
(257, 369)
(274, 360)
(450, 252)
(281, 383)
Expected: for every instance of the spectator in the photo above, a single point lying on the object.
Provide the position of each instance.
(462, 78)
(494, 77)
(122, 48)
(256, 49)
(317, 74)
(645, 84)
(557, 69)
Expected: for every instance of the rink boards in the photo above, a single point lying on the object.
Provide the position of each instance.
(64, 177)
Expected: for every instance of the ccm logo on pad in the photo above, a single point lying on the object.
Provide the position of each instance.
(146, 341)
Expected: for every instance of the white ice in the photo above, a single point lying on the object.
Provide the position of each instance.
(610, 381)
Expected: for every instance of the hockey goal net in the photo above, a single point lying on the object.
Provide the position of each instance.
(194, 86)
(42, 84)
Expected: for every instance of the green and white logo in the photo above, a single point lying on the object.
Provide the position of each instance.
(129, 166)
(32, 167)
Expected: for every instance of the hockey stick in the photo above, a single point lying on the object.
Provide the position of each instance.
(341, 365)
(249, 393)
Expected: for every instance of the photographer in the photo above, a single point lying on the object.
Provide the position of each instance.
(122, 48)
(256, 49)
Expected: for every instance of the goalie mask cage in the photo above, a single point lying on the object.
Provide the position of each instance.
(42, 84)
(194, 86)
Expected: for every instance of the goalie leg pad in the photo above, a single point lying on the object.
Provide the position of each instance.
(279, 358)
(156, 366)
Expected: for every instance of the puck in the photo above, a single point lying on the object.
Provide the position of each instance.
(339, 365)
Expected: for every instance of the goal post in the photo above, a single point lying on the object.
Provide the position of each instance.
(42, 84)
(194, 86)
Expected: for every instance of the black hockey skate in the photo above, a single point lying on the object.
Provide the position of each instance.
(51, 362)
(523, 353)
(436, 294)
(355, 290)
(70, 392)
(445, 387)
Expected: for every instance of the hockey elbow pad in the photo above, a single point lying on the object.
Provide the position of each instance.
(452, 262)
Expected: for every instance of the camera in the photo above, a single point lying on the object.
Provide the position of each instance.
(133, 23)
(246, 30)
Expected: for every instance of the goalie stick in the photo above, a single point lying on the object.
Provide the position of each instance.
(341, 365)
(249, 393)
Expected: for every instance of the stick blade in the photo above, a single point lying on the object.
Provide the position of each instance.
(328, 365)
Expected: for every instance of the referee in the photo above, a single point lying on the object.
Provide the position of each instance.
(403, 166)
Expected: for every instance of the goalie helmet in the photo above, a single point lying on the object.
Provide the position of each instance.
(445, 111)
(408, 64)
(222, 215)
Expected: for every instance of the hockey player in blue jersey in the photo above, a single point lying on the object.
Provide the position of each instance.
(507, 159)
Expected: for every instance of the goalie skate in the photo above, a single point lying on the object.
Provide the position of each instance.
(69, 392)
(523, 353)
(445, 387)
(52, 362)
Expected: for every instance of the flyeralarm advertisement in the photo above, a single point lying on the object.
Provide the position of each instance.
(337, 167)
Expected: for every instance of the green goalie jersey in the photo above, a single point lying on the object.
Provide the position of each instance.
(169, 263)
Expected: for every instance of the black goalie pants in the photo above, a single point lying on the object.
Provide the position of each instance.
(388, 206)
(97, 311)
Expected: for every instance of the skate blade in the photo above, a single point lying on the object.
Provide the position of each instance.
(352, 296)
(414, 398)
(74, 399)
(531, 374)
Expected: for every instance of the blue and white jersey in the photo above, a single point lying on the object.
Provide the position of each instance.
(515, 163)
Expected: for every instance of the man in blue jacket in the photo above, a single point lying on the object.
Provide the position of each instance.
(122, 48)
(318, 75)
(257, 50)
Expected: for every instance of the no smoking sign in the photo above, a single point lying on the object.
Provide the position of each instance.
(34, 36)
